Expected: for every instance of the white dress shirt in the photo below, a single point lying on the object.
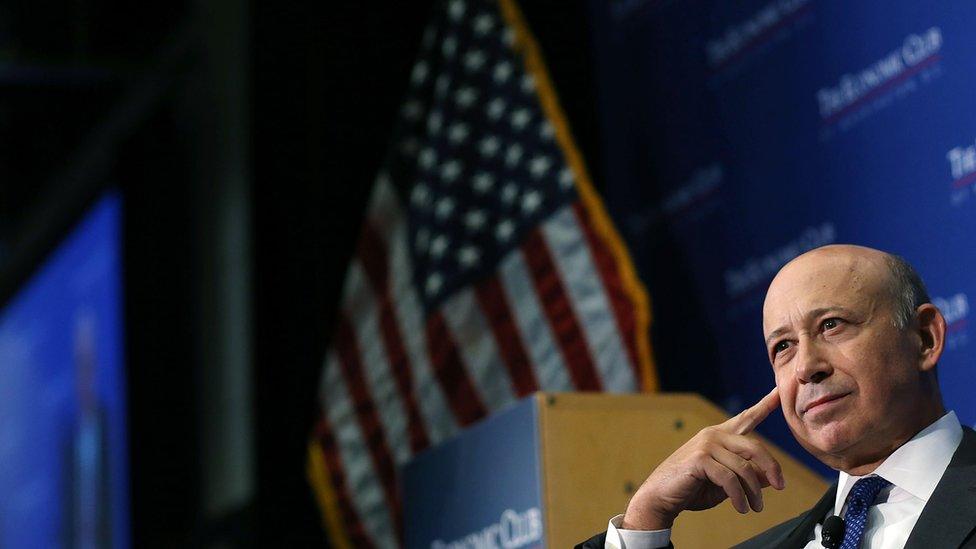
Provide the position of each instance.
(914, 470)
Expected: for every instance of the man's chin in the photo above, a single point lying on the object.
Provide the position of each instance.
(825, 441)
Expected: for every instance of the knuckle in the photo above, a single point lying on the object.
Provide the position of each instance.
(747, 470)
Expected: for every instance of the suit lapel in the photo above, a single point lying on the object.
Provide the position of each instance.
(950, 514)
(803, 532)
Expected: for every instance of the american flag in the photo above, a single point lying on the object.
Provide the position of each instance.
(486, 270)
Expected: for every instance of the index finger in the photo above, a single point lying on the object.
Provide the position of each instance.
(750, 418)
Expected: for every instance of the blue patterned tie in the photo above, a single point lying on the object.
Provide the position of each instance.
(861, 497)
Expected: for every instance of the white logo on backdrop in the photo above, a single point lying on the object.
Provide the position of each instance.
(851, 87)
(743, 34)
(701, 183)
(758, 270)
(513, 530)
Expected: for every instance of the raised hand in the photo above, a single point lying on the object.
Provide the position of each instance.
(720, 462)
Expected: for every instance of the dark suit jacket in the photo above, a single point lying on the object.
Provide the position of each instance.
(948, 519)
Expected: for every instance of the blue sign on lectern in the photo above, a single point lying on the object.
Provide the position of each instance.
(480, 489)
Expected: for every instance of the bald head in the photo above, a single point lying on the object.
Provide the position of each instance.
(853, 344)
(890, 273)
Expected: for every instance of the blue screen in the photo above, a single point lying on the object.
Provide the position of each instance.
(63, 452)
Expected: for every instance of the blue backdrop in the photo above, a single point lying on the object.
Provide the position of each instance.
(751, 131)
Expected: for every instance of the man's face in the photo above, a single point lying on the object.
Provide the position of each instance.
(848, 378)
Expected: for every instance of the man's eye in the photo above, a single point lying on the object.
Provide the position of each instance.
(830, 323)
(781, 346)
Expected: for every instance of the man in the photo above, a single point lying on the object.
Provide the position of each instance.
(854, 343)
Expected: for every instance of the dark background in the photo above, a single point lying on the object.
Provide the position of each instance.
(296, 100)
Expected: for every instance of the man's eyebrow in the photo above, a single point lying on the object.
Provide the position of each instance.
(776, 333)
(810, 314)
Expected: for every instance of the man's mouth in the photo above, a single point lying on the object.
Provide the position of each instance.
(823, 401)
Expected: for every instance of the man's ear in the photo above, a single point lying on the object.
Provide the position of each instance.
(931, 326)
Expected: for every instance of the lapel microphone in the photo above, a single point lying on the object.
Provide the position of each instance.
(832, 532)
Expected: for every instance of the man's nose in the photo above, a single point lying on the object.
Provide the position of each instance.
(811, 364)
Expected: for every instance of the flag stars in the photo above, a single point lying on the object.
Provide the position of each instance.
(496, 108)
(475, 220)
(444, 208)
(451, 170)
(509, 192)
(433, 284)
(483, 182)
(465, 97)
(474, 60)
(438, 246)
(546, 131)
(520, 119)
(420, 195)
(483, 24)
(539, 166)
(513, 155)
(427, 158)
(566, 178)
(502, 72)
(469, 256)
(456, 9)
(457, 133)
(488, 147)
(531, 202)
(508, 37)
(527, 84)
(419, 73)
(504, 230)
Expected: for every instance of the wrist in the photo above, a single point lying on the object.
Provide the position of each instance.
(646, 519)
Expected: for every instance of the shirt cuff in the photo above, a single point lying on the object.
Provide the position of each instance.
(618, 538)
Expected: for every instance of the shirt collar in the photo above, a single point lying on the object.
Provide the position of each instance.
(916, 466)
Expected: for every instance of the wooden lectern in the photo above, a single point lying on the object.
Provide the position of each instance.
(586, 455)
(604, 446)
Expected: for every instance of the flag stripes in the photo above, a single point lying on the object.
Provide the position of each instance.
(588, 299)
(483, 363)
(555, 304)
(372, 254)
(434, 407)
(493, 301)
(379, 382)
(369, 503)
(450, 372)
(372, 432)
(329, 477)
(548, 364)
(623, 308)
